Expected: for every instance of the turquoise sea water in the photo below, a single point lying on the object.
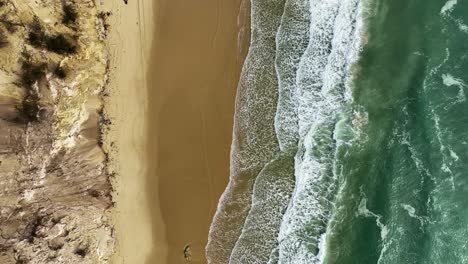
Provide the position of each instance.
(351, 136)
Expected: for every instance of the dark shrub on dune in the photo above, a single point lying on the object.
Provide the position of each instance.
(30, 74)
(60, 44)
(28, 110)
(69, 14)
(36, 34)
(60, 72)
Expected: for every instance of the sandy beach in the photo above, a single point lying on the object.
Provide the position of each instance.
(195, 65)
(176, 65)
(129, 43)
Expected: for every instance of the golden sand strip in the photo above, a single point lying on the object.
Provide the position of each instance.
(129, 43)
(177, 64)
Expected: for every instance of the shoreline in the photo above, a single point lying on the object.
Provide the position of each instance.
(197, 56)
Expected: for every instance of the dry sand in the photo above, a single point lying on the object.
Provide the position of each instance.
(129, 43)
(176, 66)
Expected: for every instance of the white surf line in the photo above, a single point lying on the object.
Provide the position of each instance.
(254, 140)
(321, 78)
(309, 80)
(359, 39)
(273, 186)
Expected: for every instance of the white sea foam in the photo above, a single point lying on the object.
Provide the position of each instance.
(448, 7)
(442, 203)
(446, 163)
(321, 81)
(454, 155)
(415, 157)
(462, 26)
(291, 42)
(273, 186)
(271, 194)
(449, 80)
(410, 209)
(412, 213)
(364, 211)
(445, 149)
(308, 110)
(254, 139)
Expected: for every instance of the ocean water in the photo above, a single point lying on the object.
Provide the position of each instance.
(350, 138)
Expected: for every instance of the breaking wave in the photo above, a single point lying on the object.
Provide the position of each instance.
(343, 141)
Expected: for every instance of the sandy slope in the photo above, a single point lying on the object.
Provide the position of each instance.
(54, 192)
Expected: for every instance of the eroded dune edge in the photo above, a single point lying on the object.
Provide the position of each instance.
(55, 189)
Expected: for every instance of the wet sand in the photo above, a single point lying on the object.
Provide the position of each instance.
(196, 58)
